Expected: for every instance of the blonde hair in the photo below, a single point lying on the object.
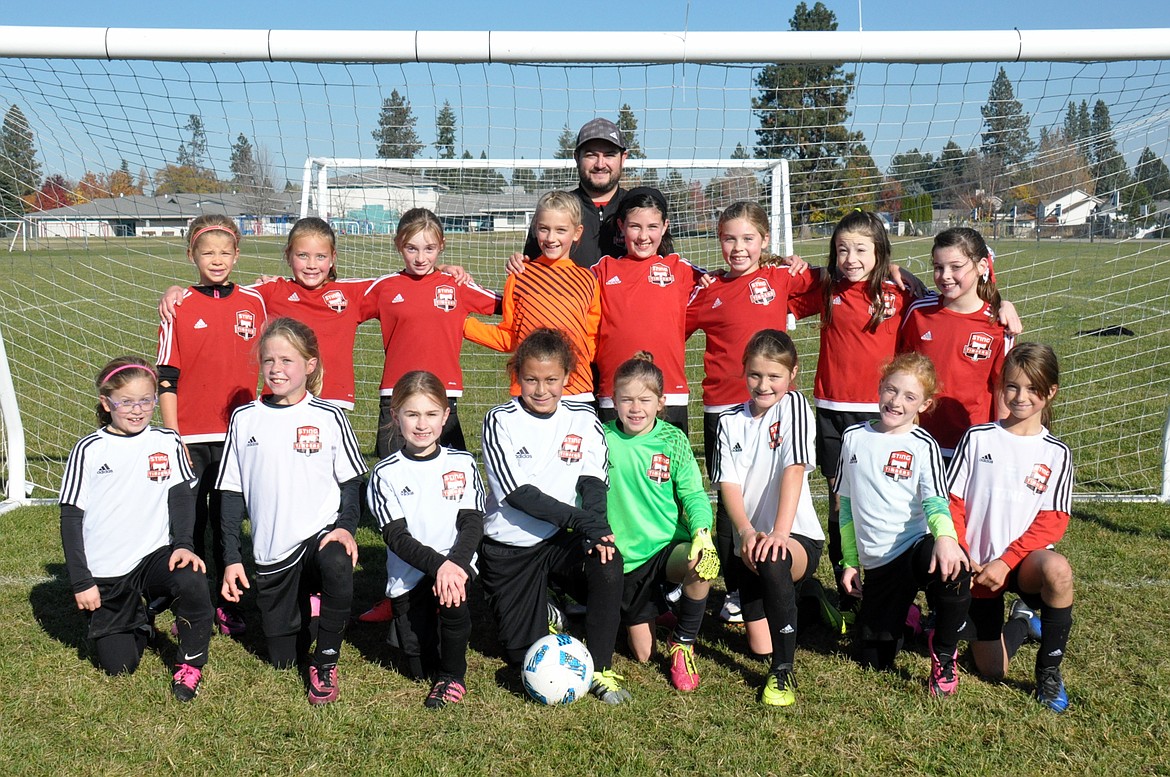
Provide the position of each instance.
(418, 382)
(756, 216)
(414, 221)
(210, 223)
(640, 367)
(560, 202)
(304, 341)
(311, 226)
(917, 365)
(116, 374)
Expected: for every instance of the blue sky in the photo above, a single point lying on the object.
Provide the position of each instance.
(300, 111)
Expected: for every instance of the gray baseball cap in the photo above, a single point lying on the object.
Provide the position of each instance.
(600, 129)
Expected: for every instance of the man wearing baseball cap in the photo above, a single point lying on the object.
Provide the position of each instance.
(600, 154)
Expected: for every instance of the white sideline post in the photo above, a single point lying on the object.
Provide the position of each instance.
(1165, 496)
(14, 433)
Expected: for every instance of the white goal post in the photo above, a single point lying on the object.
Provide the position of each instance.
(115, 115)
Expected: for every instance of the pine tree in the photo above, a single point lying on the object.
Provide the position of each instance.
(802, 112)
(20, 172)
(628, 125)
(1005, 138)
(525, 178)
(1152, 173)
(395, 134)
(1108, 165)
(445, 131)
(243, 163)
(193, 153)
(566, 147)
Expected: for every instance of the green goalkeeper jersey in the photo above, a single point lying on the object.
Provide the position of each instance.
(656, 494)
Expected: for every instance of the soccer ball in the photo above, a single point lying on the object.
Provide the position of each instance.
(557, 669)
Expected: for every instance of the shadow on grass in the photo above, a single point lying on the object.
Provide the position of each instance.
(56, 611)
(1160, 531)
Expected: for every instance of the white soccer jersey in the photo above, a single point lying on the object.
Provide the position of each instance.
(1005, 480)
(428, 494)
(289, 462)
(550, 453)
(753, 452)
(886, 478)
(122, 484)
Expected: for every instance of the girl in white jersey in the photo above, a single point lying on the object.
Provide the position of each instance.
(428, 502)
(292, 462)
(1010, 485)
(896, 526)
(127, 513)
(546, 513)
(764, 453)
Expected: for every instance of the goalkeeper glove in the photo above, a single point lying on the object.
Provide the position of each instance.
(703, 549)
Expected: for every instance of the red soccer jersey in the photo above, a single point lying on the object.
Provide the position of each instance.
(643, 308)
(850, 363)
(968, 351)
(334, 311)
(210, 342)
(730, 312)
(422, 318)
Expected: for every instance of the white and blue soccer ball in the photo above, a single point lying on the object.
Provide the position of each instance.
(558, 669)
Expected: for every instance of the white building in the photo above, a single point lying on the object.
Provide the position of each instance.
(1073, 208)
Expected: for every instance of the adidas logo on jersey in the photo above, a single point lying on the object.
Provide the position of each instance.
(928, 336)
(737, 448)
(716, 303)
(251, 443)
(837, 300)
(200, 324)
(986, 459)
(406, 491)
(397, 298)
(614, 281)
(853, 459)
(523, 454)
(293, 297)
(105, 470)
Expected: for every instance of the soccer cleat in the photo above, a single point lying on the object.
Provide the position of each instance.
(229, 622)
(556, 619)
(731, 612)
(382, 612)
(830, 615)
(779, 689)
(607, 686)
(185, 683)
(322, 684)
(944, 672)
(1050, 689)
(1021, 611)
(446, 690)
(683, 674)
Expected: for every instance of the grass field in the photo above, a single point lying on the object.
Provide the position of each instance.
(67, 308)
(60, 715)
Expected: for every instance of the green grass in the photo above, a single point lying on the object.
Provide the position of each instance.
(60, 715)
(66, 308)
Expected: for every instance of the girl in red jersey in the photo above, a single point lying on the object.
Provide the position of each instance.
(422, 310)
(643, 301)
(1010, 489)
(959, 330)
(206, 370)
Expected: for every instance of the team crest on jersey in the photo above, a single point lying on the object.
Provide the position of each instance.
(659, 470)
(308, 440)
(978, 346)
(774, 438)
(245, 324)
(660, 275)
(1038, 480)
(889, 305)
(335, 299)
(900, 466)
(158, 467)
(445, 298)
(571, 448)
(760, 292)
(454, 484)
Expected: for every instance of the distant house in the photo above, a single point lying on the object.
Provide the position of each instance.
(165, 216)
(372, 200)
(510, 211)
(1073, 208)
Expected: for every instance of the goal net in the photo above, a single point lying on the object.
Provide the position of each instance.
(108, 151)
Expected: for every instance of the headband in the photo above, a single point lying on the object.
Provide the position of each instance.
(213, 228)
(116, 370)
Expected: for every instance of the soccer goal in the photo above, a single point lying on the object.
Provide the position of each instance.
(1053, 144)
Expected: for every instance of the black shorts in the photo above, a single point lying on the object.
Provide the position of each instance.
(642, 599)
(751, 588)
(283, 597)
(889, 590)
(123, 607)
(986, 613)
(831, 426)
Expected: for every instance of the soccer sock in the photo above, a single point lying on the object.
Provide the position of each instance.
(603, 607)
(880, 653)
(953, 600)
(454, 632)
(780, 608)
(1055, 624)
(690, 619)
(1015, 634)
